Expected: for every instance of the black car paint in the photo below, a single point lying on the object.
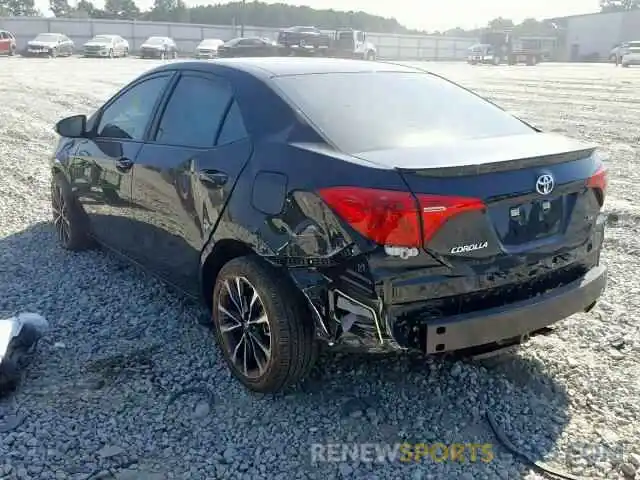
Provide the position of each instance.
(270, 208)
(248, 47)
(303, 36)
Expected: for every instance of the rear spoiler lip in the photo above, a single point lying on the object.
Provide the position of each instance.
(501, 165)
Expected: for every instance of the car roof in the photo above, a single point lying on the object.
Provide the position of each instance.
(268, 67)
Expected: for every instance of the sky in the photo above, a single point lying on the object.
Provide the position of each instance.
(428, 15)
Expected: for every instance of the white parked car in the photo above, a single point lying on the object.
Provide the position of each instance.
(208, 48)
(106, 46)
(632, 55)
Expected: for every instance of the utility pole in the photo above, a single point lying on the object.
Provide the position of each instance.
(244, 3)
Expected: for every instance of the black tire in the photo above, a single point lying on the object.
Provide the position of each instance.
(12, 51)
(111, 53)
(292, 345)
(77, 226)
(125, 53)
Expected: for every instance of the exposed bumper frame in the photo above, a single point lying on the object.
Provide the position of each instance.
(481, 328)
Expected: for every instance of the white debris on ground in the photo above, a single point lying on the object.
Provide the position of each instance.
(127, 385)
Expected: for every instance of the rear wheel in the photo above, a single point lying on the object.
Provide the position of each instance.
(70, 225)
(370, 56)
(261, 326)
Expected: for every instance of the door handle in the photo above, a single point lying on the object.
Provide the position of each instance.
(124, 164)
(213, 177)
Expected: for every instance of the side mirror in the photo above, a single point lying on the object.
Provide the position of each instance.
(72, 127)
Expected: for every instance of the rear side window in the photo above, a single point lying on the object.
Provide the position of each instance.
(367, 111)
(194, 112)
(233, 128)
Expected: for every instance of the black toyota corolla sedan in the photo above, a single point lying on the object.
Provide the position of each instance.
(365, 205)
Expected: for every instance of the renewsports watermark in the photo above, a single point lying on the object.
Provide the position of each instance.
(401, 452)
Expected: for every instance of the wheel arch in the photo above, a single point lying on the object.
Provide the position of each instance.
(214, 256)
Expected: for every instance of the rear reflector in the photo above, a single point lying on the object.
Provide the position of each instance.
(599, 181)
(390, 217)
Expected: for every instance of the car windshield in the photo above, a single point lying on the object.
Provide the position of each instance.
(155, 41)
(366, 111)
(210, 43)
(102, 38)
(47, 37)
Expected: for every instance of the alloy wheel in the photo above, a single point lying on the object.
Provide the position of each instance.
(244, 327)
(60, 215)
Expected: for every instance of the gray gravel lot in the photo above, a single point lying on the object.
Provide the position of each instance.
(100, 396)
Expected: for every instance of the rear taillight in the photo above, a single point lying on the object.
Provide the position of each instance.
(390, 217)
(386, 217)
(437, 209)
(599, 181)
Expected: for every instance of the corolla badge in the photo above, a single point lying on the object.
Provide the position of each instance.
(469, 248)
(545, 184)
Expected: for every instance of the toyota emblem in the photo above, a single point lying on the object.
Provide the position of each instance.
(545, 184)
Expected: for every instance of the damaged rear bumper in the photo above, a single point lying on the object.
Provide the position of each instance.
(518, 319)
(354, 321)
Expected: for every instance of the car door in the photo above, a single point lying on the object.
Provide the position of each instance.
(102, 167)
(245, 48)
(63, 43)
(70, 45)
(185, 175)
(5, 42)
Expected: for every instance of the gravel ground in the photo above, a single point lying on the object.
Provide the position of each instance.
(101, 394)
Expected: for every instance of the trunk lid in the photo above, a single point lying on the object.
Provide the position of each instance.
(532, 191)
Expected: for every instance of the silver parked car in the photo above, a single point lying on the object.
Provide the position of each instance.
(208, 48)
(159, 47)
(49, 45)
(106, 46)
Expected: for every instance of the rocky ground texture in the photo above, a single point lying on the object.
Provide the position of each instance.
(128, 385)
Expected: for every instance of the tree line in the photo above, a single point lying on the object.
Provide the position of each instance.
(258, 13)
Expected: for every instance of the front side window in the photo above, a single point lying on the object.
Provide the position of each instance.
(194, 112)
(366, 111)
(128, 116)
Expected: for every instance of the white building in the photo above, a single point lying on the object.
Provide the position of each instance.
(591, 37)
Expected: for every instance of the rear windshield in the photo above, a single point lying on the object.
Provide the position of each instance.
(361, 112)
(155, 40)
(47, 37)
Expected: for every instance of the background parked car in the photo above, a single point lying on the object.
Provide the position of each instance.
(208, 48)
(50, 45)
(304, 37)
(106, 46)
(249, 47)
(617, 52)
(632, 55)
(159, 47)
(7, 43)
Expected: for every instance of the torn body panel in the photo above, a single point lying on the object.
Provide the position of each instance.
(380, 298)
